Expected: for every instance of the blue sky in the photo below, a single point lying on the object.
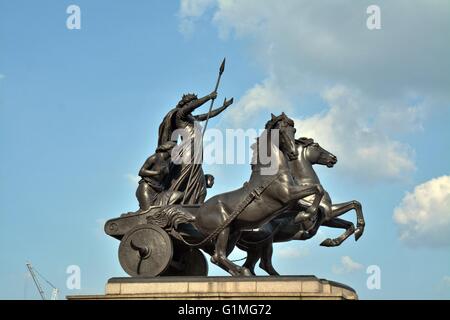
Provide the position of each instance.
(79, 112)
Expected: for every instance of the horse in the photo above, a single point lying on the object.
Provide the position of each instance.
(221, 219)
(296, 224)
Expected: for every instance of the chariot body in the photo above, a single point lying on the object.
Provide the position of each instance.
(148, 247)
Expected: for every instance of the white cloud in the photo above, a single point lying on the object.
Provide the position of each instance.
(291, 252)
(189, 12)
(133, 179)
(400, 120)
(347, 266)
(194, 8)
(423, 215)
(362, 147)
(307, 46)
(305, 40)
(266, 96)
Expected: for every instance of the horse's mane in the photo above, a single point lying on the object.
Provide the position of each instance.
(304, 141)
(271, 124)
(275, 119)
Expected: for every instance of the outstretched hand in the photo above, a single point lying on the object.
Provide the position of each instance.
(228, 103)
(213, 95)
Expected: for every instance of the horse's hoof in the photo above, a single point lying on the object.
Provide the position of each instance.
(214, 259)
(358, 233)
(252, 270)
(245, 272)
(269, 269)
(273, 272)
(328, 243)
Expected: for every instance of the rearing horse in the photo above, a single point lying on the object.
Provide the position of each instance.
(296, 224)
(261, 199)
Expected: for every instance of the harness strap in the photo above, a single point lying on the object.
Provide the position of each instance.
(254, 194)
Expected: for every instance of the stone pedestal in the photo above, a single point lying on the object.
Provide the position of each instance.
(220, 288)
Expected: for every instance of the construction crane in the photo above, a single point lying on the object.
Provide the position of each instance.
(34, 273)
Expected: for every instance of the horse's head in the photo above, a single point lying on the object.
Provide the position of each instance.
(315, 154)
(285, 125)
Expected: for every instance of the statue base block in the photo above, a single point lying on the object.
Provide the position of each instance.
(220, 288)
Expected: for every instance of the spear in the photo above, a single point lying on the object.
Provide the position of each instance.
(221, 70)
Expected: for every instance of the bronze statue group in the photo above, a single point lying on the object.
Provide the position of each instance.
(286, 204)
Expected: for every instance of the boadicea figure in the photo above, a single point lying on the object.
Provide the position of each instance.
(187, 175)
(174, 222)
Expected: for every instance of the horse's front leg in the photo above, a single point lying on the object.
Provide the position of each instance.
(222, 244)
(300, 192)
(220, 257)
(339, 209)
(338, 223)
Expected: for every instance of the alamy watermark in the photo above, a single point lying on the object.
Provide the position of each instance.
(236, 146)
(73, 281)
(373, 21)
(374, 279)
(73, 21)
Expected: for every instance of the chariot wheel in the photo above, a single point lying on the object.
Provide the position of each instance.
(187, 262)
(145, 251)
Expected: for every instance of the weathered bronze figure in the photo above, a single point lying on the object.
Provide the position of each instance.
(153, 174)
(282, 200)
(187, 176)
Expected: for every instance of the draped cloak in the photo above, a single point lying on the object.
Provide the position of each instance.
(186, 171)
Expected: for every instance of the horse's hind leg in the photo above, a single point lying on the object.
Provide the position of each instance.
(266, 259)
(341, 208)
(338, 223)
(253, 255)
